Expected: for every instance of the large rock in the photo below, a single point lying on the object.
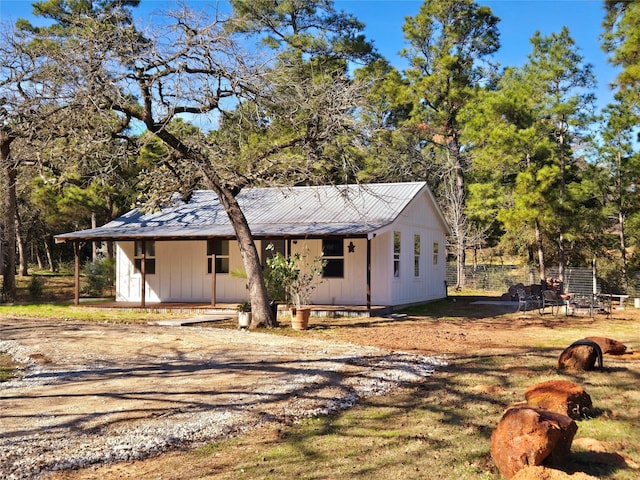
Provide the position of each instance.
(560, 396)
(544, 473)
(580, 355)
(609, 345)
(530, 436)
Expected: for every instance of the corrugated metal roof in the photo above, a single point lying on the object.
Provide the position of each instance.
(289, 211)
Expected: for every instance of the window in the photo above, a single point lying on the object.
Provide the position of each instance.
(396, 254)
(219, 248)
(435, 253)
(333, 257)
(149, 247)
(416, 255)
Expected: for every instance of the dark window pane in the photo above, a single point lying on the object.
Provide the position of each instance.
(396, 243)
(332, 247)
(217, 247)
(222, 265)
(149, 266)
(334, 268)
(150, 247)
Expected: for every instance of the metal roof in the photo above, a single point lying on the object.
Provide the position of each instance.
(352, 210)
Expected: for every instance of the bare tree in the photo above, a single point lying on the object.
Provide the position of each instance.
(27, 104)
(265, 118)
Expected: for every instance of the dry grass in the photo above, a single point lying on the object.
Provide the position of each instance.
(440, 429)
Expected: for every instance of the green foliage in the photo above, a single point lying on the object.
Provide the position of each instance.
(244, 307)
(313, 27)
(447, 42)
(508, 142)
(292, 279)
(36, 286)
(100, 276)
(523, 162)
(622, 43)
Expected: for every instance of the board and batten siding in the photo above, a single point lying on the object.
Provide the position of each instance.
(180, 274)
(181, 266)
(349, 290)
(419, 218)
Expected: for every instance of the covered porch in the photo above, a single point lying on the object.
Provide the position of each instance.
(229, 309)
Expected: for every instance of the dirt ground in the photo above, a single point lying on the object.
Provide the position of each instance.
(96, 393)
(89, 383)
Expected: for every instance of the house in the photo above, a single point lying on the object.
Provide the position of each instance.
(383, 244)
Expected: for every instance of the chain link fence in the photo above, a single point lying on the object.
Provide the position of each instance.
(498, 278)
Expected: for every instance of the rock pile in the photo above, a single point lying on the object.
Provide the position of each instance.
(542, 429)
(560, 396)
(581, 355)
(530, 436)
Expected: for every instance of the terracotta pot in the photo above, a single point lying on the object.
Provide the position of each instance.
(300, 319)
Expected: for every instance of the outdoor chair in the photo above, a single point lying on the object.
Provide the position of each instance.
(525, 301)
(602, 304)
(550, 298)
(580, 305)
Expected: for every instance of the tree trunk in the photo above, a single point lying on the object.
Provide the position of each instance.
(10, 174)
(260, 306)
(461, 218)
(541, 265)
(110, 245)
(562, 261)
(94, 245)
(49, 252)
(623, 252)
(21, 242)
(461, 260)
(38, 255)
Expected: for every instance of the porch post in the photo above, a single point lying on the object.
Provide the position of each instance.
(143, 273)
(213, 279)
(76, 273)
(368, 274)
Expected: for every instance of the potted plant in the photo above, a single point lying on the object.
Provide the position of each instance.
(244, 314)
(296, 279)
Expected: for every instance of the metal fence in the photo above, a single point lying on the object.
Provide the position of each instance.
(498, 278)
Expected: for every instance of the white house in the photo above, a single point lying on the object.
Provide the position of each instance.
(384, 244)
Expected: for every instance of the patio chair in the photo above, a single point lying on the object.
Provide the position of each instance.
(580, 305)
(550, 298)
(602, 304)
(526, 300)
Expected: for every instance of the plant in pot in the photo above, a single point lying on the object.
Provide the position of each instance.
(244, 314)
(274, 282)
(296, 279)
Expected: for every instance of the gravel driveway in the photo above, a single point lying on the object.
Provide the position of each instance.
(96, 393)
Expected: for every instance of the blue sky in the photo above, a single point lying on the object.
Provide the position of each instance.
(520, 19)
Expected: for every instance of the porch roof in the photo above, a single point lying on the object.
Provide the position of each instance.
(345, 210)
